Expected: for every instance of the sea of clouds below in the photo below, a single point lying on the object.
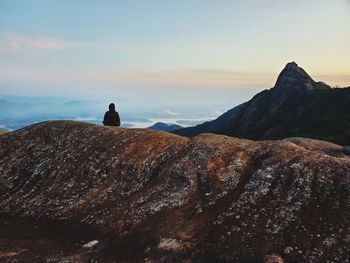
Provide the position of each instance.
(137, 110)
(17, 112)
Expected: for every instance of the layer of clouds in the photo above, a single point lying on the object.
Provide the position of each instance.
(171, 112)
(194, 78)
(161, 79)
(16, 43)
(13, 41)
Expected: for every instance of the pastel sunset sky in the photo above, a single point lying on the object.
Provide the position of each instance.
(72, 47)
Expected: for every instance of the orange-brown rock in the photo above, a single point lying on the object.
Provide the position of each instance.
(158, 197)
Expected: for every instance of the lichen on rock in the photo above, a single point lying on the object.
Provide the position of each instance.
(155, 195)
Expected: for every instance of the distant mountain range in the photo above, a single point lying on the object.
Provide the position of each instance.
(168, 127)
(297, 106)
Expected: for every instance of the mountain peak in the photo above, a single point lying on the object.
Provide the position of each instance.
(293, 80)
(292, 65)
(292, 74)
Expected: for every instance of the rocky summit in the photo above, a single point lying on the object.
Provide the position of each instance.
(75, 192)
(297, 106)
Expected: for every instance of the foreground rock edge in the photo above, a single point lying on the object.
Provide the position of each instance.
(211, 197)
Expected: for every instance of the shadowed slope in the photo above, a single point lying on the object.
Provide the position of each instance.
(295, 106)
(161, 196)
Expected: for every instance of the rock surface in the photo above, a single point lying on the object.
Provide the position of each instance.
(157, 197)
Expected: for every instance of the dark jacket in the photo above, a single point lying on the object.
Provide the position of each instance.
(111, 117)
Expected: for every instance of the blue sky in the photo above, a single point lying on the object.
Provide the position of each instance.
(180, 49)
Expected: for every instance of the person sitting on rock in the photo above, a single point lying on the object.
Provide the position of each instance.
(111, 117)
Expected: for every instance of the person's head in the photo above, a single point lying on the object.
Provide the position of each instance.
(112, 107)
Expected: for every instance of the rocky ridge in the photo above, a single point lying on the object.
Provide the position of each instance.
(157, 197)
(168, 127)
(297, 106)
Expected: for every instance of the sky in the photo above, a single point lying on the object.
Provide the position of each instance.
(184, 51)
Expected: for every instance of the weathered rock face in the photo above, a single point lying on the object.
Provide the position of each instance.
(159, 197)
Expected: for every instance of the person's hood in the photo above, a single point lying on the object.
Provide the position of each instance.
(112, 107)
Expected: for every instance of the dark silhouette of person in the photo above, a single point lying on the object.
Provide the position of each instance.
(111, 117)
